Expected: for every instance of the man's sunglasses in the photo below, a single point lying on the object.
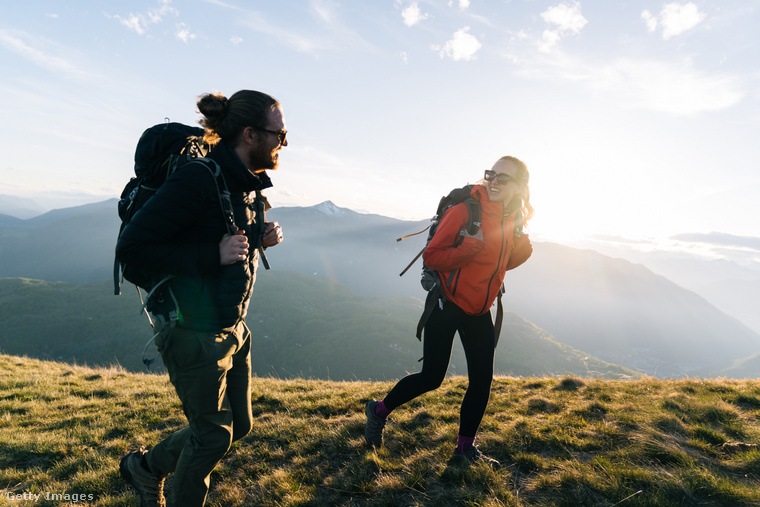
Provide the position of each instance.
(281, 134)
(501, 179)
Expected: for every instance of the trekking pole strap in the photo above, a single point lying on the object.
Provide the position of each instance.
(116, 284)
(413, 261)
(402, 238)
(263, 258)
(261, 218)
(430, 302)
(499, 319)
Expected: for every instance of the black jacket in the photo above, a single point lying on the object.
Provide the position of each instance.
(178, 232)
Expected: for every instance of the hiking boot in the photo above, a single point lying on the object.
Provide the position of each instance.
(373, 430)
(473, 455)
(150, 488)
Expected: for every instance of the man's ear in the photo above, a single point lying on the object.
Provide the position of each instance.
(250, 136)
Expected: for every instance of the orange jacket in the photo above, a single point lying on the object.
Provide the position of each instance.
(471, 268)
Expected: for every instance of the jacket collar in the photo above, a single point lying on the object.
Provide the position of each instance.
(488, 207)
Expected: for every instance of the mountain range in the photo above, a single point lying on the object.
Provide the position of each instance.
(19, 207)
(610, 308)
(733, 286)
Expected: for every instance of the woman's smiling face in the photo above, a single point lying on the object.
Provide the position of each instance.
(504, 191)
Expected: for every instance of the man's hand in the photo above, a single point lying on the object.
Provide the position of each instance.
(233, 248)
(272, 234)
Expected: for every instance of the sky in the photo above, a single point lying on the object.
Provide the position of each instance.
(638, 120)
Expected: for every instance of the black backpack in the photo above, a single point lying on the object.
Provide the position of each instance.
(430, 280)
(161, 150)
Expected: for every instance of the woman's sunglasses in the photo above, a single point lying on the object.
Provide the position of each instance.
(501, 179)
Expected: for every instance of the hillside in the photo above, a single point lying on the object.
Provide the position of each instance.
(302, 326)
(616, 310)
(624, 313)
(79, 244)
(12, 206)
(563, 442)
(612, 309)
(733, 288)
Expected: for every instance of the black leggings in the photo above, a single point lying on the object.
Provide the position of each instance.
(477, 334)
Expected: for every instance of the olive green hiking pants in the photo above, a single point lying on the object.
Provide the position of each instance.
(211, 372)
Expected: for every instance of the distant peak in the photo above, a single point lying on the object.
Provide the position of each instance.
(330, 209)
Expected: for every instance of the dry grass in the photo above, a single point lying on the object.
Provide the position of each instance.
(564, 442)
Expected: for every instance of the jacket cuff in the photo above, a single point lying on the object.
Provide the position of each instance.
(521, 252)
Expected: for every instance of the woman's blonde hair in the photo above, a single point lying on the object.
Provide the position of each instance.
(521, 200)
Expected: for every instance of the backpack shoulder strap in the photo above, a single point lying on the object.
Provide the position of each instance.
(225, 199)
(473, 222)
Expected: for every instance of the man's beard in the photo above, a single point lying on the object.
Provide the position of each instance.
(261, 160)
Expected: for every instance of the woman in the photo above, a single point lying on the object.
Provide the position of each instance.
(476, 265)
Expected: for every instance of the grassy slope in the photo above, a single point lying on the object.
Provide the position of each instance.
(302, 325)
(563, 441)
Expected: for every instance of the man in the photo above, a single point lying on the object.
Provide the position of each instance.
(182, 232)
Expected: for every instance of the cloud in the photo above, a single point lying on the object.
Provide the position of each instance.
(183, 33)
(674, 18)
(293, 39)
(412, 14)
(332, 34)
(236, 39)
(40, 53)
(668, 87)
(612, 238)
(549, 40)
(324, 10)
(566, 19)
(463, 4)
(134, 22)
(720, 239)
(224, 4)
(462, 46)
(664, 86)
(139, 23)
(650, 20)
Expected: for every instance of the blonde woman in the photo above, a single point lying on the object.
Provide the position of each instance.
(471, 270)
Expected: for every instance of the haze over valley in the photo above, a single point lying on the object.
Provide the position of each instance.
(582, 305)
